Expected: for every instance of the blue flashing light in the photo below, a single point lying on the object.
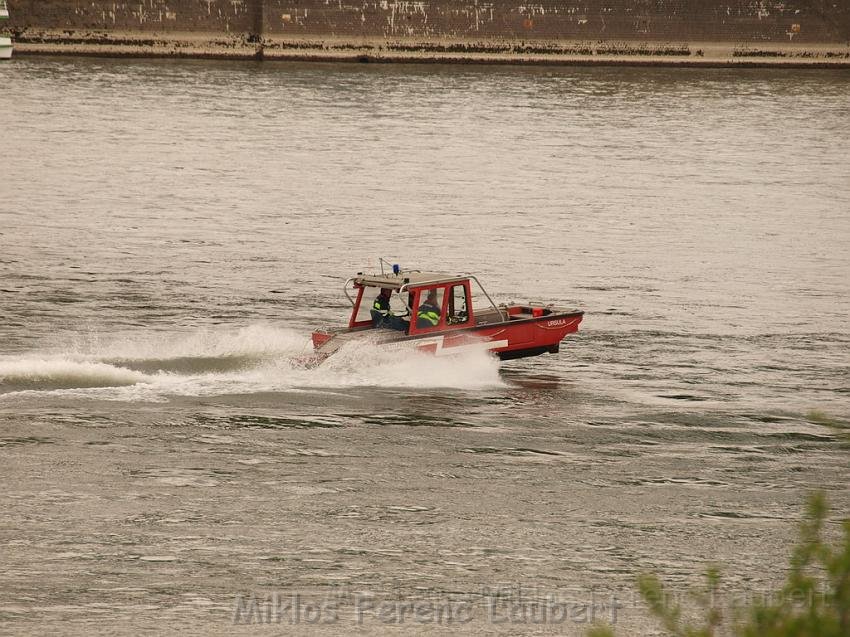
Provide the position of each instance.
(396, 269)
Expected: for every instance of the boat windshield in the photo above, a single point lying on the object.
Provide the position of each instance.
(370, 294)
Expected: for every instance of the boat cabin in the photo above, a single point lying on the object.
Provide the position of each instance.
(435, 310)
(424, 301)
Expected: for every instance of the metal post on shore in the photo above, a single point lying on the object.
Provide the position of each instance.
(257, 11)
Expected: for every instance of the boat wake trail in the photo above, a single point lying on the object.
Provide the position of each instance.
(256, 358)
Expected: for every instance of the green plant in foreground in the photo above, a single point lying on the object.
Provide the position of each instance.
(836, 424)
(814, 602)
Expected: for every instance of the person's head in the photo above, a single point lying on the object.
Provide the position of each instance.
(432, 297)
(386, 292)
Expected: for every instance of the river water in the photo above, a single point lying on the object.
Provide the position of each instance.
(170, 232)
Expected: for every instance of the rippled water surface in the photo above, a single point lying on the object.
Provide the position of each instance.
(171, 231)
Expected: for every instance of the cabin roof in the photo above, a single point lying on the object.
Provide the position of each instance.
(412, 279)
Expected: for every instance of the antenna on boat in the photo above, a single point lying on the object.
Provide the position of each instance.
(392, 266)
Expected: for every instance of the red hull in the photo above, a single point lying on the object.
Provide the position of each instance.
(517, 337)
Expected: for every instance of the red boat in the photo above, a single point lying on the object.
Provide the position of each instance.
(434, 313)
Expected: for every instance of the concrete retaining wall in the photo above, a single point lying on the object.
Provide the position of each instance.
(699, 20)
(565, 27)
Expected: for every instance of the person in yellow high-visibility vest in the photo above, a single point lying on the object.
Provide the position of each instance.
(382, 316)
(429, 312)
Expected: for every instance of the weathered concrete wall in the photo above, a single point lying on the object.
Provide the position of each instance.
(741, 21)
(705, 20)
(811, 33)
(143, 15)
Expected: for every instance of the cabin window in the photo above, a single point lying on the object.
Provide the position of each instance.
(370, 295)
(430, 309)
(458, 311)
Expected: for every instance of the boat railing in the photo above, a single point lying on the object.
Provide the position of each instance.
(492, 303)
(345, 289)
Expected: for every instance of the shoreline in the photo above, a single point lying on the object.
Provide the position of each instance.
(221, 46)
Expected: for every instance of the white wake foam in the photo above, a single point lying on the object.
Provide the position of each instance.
(256, 358)
(258, 340)
(62, 372)
(365, 363)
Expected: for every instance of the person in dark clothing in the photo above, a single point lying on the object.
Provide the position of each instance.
(429, 312)
(381, 309)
